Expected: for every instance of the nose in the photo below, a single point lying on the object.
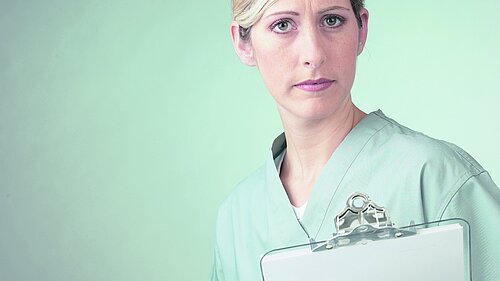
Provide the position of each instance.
(312, 49)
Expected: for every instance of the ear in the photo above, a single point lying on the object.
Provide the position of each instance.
(243, 48)
(363, 30)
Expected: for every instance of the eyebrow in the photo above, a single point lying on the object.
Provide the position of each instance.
(320, 12)
(283, 13)
(333, 8)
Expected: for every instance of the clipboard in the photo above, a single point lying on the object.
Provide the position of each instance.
(367, 246)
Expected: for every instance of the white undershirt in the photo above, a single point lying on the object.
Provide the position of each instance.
(299, 211)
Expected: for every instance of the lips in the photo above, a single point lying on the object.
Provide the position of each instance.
(317, 85)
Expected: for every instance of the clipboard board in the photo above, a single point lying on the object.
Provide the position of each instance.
(367, 246)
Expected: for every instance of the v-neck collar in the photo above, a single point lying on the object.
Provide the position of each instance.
(328, 182)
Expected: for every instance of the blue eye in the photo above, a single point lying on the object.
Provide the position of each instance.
(332, 21)
(282, 26)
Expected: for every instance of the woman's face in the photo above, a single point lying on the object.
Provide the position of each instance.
(306, 53)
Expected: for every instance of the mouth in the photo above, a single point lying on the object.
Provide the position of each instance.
(316, 85)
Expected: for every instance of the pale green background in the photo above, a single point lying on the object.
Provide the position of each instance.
(124, 124)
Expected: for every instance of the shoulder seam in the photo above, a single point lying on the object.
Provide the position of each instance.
(466, 157)
(390, 121)
(469, 176)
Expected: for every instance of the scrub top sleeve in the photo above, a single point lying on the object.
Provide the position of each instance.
(478, 202)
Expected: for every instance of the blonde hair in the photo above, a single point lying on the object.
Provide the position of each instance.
(247, 12)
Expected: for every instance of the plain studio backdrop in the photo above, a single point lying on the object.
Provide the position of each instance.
(124, 124)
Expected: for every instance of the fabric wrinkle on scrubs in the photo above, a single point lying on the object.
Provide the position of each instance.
(413, 176)
(299, 211)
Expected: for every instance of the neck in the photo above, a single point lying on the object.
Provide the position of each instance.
(311, 143)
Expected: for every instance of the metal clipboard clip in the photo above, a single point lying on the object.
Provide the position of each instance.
(360, 222)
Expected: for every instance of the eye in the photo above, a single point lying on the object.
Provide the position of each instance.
(332, 21)
(281, 26)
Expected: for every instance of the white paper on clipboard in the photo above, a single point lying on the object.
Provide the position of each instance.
(435, 253)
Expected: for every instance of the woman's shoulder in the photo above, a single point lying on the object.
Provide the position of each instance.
(400, 140)
(415, 165)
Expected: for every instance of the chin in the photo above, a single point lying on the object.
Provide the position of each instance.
(320, 109)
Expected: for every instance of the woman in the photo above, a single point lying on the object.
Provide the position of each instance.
(306, 53)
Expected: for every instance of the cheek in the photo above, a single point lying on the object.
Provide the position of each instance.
(342, 63)
(344, 53)
(274, 62)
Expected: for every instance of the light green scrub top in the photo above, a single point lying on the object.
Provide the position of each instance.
(414, 176)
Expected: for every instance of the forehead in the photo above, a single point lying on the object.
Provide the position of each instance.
(303, 6)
